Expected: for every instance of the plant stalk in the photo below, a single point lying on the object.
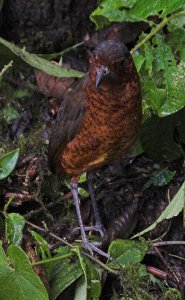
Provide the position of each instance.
(156, 29)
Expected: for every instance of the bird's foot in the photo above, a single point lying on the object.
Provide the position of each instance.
(98, 227)
(92, 248)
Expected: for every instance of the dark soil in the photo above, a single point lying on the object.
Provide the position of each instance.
(50, 26)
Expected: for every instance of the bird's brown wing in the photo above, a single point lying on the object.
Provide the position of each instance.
(68, 122)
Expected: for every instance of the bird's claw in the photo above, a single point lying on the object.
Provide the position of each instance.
(96, 227)
(92, 248)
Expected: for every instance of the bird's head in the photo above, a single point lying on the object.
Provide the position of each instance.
(109, 64)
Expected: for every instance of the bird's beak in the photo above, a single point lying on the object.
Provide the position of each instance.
(100, 75)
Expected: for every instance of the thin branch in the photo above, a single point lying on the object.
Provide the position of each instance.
(49, 233)
(168, 243)
(176, 256)
(169, 268)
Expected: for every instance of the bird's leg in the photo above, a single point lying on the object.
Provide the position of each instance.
(89, 246)
(98, 226)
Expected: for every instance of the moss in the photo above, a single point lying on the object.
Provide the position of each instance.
(173, 294)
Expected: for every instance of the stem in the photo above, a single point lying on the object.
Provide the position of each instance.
(53, 55)
(6, 67)
(7, 205)
(156, 29)
(45, 261)
(101, 264)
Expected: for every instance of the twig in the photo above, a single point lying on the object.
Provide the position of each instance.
(156, 29)
(6, 67)
(176, 256)
(168, 243)
(53, 55)
(49, 233)
(167, 265)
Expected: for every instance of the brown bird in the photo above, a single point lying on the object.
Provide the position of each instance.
(98, 121)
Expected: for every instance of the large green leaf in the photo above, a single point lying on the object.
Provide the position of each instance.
(8, 163)
(173, 99)
(127, 252)
(172, 210)
(10, 51)
(112, 11)
(81, 289)
(162, 79)
(14, 228)
(132, 10)
(18, 280)
(64, 273)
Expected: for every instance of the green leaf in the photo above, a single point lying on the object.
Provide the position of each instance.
(138, 60)
(149, 57)
(163, 82)
(172, 210)
(81, 292)
(127, 252)
(64, 273)
(42, 245)
(132, 10)
(173, 99)
(160, 178)
(82, 192)
(92, 275)
(178, 22)
(8, 163)
(144, 9)
(42, 248)
(112, 11)
(9, 113)
(172, 6)
(18, 280)
(83, 178)
(176, 40)
(14, 228)
(10, 51)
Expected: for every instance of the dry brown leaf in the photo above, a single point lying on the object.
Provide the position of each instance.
(52, 86)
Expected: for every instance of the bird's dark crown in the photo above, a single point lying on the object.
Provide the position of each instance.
(109, 52)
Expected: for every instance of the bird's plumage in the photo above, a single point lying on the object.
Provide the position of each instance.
(97, 125)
